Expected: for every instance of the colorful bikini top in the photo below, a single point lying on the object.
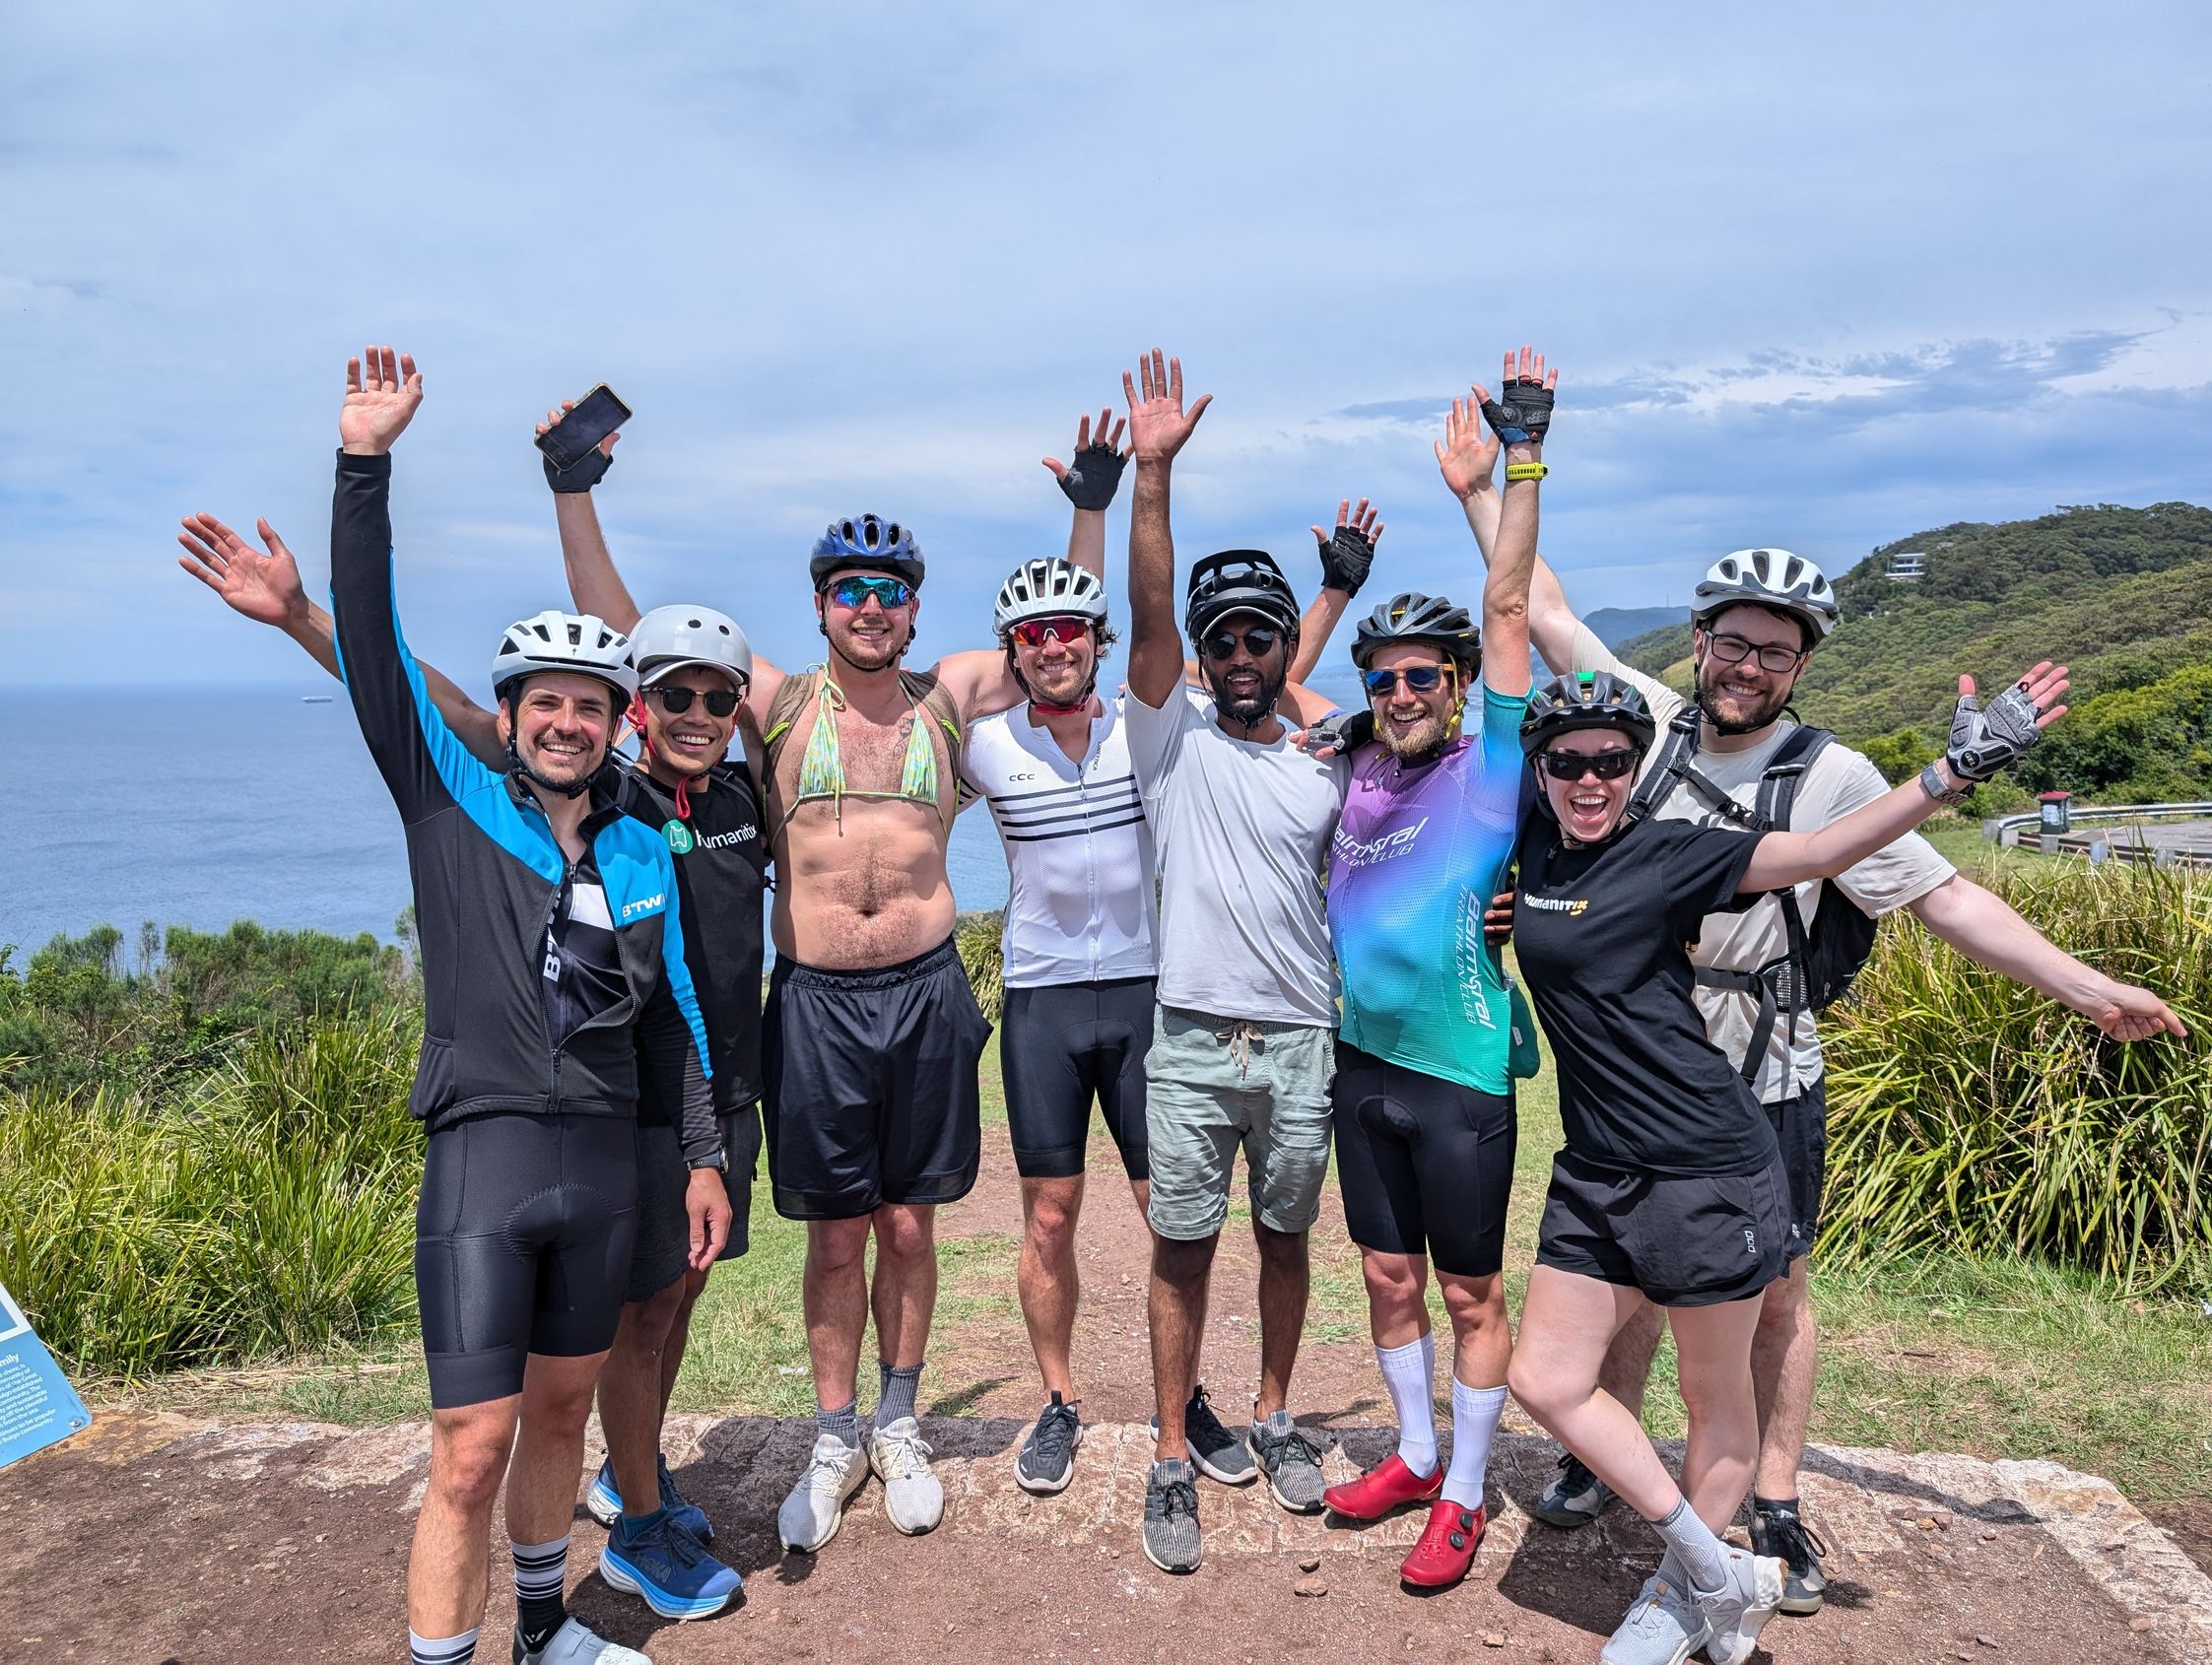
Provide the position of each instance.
(822, 764)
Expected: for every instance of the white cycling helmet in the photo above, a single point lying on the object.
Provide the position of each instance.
(1054, 589)
(1767, 577)
(565, 641)
(671, 638)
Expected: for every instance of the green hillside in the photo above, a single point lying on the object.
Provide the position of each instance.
(2121, 595)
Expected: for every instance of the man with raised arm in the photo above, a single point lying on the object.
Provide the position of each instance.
(553, 973)
(1758, 616)
(1242, 1041)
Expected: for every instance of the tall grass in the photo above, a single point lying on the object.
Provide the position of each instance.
(1968, 1114)
(976, 937)
(268, 1211)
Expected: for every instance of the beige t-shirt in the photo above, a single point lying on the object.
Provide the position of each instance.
(1839, 781)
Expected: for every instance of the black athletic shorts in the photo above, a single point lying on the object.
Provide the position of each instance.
(871, 1086)
(1801, 1126)
(1424, 1164)
(1058, 1049)
(664, 1225)
(522, 1240)
(1685, 1242)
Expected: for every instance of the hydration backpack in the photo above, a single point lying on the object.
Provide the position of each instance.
(1818, 967)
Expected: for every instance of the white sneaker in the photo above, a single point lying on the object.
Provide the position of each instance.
(1742, 1606)
(911, 1494)
(1664, 1627)
(810, 1515)
(573, 1644)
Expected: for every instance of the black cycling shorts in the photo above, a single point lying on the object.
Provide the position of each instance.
(1058, 1049)
(1424, 1164)
(522, 1240)
(1800, 1126)
(871, 1086)
(664, 1224)
(1690, 1240)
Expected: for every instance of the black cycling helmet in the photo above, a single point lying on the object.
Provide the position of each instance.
(1586, 699)
(1414, 617)
(868, 542)
(1238, 581)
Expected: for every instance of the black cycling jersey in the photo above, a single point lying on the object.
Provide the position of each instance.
(582, 972)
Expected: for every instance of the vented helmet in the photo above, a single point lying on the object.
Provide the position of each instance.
(1412, 616)
(553, 640)
(1767, 577)
(868, 542)
(1048, 589)
(1586, 699)
(1238, 581)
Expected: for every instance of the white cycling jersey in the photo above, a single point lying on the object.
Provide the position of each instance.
(1077, 848)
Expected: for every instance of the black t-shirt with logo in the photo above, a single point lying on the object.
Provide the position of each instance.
(1603, 933)
(722, 862)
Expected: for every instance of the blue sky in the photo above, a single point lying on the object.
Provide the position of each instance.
(1816, 277)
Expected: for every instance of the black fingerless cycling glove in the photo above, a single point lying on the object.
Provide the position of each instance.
(1346, 559)
(1524, 413)
(1094, 475)
(581, 475)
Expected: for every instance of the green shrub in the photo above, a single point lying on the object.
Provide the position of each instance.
(1968, 1113)
(977, 938)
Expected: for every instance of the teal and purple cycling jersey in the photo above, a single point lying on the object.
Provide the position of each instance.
(1417, 856)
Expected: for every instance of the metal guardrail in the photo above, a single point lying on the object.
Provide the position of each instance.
(2005, 828)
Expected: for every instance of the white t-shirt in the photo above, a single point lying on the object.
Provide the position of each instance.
(1839, 781)
(1077, 848)
(1243, 839)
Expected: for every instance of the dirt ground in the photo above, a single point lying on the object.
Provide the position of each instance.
(159, 1538)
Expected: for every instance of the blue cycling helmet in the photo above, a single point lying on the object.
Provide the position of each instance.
(869, 542)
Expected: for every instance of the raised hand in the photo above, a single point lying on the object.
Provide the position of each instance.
(1467, 455)
(1523, 412)
(1090, 479)
(384, 390)
(1984, 740)
(1349, 553)
(264, 587)
(587, 470)
(1158, 423)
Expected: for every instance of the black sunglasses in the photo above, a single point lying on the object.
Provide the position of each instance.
(721, 701)
(1422, 679)
(1572, 766)
(1221, 644)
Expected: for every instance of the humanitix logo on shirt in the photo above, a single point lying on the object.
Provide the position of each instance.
(1574, 908)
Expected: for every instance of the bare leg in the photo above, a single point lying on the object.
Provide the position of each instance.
(1397, 1295)
(541, 1483)
(446, 1568)
(834, 1295)
(1180, 1272)
(1482, 1338)
(1713, 1362)
(1051, 1284)
(1784, 1360)
(629, 1397)
(694, 1285)
(1285, 1280)
(1627, 1362)
(904, 1296)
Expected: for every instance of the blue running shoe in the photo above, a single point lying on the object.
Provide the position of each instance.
(657, 1559)
(603, 1502)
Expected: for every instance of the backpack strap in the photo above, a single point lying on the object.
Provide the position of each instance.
(1778, 794)
(1679, 745)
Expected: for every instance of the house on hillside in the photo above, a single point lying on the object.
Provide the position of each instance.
(1908, 569)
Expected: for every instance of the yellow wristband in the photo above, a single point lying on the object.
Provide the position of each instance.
(1526, 471)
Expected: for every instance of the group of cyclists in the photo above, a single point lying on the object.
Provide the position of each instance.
(1239, 919)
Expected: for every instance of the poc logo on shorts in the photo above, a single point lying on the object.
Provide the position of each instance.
(1750, 1241)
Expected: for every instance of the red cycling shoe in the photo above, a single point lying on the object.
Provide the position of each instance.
(1447, 1546)
(1382, 1488)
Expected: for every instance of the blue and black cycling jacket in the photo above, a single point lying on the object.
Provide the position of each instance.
(488, 874)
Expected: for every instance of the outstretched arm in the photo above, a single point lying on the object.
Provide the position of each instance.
(1089, 482)
(1159, 427)
(1520, 417)
(265, 586)
(1470, 461)
(1347, 554)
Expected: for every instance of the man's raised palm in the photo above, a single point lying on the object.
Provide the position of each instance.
(382, 392)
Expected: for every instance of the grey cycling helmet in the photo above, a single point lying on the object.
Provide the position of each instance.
(672, 638)
(1413, 617)
(553, 640)
(1586, 699)
(1054, 588)
(1238, 581)
(867, 542)
(1767, 577)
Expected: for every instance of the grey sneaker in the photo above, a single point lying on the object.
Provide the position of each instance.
(1779, 1530)
(1219, 1454)
(1170, 1517)
(1291, 1458)
(1575, 1499)
(572, 1645)
(1741, 1607)
(1664, 1627)
(912, 1495)
(810, 1515)
(1047, 1460)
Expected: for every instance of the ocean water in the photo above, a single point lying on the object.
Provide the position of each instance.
(197, 806)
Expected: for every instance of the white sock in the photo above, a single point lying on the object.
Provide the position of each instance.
(447, 1650)
(1697, 1551)
(1408, 1372)
(1474, 1424)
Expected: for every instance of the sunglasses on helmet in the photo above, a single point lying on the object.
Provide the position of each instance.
(1422, 679)
(1035, 632)
(1221, 644)
(854, 592)
(1572, 766)
(675, 700)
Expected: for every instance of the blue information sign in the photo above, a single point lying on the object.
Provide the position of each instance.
(37, 1406)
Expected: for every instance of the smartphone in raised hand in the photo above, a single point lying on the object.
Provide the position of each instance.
(597, 414)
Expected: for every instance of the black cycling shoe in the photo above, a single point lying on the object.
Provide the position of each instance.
(1047, 1460)
(1776, 1529)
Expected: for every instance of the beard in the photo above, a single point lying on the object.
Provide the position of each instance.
(1251, 710)
(1415, 745)
(1735, 714)
(1068, 683)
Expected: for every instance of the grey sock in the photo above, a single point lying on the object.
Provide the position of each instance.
(1699, 1553)
(844, 1423)
(897, 1398)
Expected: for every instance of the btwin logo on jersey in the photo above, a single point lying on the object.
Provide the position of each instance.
(1573, 910)
(1366, 852)
(644, 905)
